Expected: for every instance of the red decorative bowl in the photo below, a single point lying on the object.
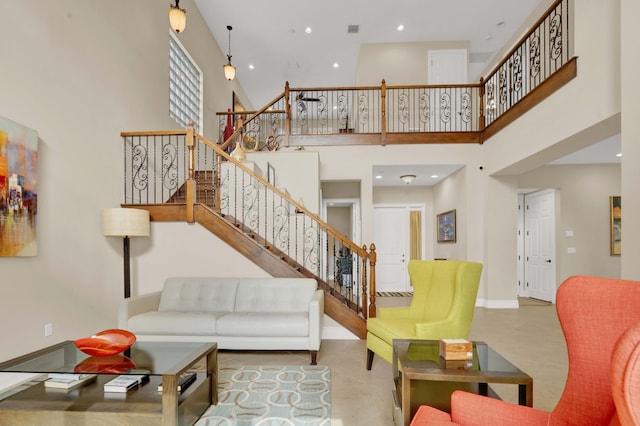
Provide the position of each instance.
(107, 342)
(114, 364)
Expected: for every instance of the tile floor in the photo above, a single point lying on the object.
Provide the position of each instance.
(530, 337)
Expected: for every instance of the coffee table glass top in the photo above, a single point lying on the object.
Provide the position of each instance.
(424, 356)
(154, 358)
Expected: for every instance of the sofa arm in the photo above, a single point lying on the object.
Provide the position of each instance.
(316, 317)
(137, 305)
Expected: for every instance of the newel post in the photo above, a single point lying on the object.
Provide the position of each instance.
(191, 187)
(363, 280)
(287, 108)
(481, 123)
(383, 113)
(372, 284)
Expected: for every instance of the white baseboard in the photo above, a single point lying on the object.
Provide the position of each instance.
(497, 304)
(338, 333)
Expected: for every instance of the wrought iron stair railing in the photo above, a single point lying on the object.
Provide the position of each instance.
(183, 168)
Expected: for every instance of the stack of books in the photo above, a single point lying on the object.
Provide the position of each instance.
(184, 381)
(68, 381)
(126, 382)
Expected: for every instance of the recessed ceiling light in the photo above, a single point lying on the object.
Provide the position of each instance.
(251, 66)
(308, 30)
(336, 65)
(619, 155)
(434, 176)
(378, 176)
(400, 27)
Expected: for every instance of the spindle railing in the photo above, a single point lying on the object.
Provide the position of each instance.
(182, 167)
(410, 114)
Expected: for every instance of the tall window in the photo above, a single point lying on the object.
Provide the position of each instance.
(185, 86)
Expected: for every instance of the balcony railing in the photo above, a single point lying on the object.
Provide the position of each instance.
(462, 112)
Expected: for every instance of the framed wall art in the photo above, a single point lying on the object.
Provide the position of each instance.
(615, 226)
(18, 189)
(447, 227)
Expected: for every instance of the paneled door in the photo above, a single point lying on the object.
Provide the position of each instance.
(391, 236)
(540, 269)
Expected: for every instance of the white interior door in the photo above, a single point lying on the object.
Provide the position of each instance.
(447, 66)
(391, 237)
(523, 290)
(540, 245)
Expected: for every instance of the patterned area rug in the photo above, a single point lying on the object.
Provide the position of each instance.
(271, 396)
(394, 294)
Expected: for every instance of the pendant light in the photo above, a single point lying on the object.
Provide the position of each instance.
(229, 70)
(177, 17)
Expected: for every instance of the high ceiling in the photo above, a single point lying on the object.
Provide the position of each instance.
(270, 37)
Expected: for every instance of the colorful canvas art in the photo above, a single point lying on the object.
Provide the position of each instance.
(18, 189)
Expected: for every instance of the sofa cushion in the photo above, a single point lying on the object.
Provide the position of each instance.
(195, 294)
(174, 322)
(274, 295)
(270, 324)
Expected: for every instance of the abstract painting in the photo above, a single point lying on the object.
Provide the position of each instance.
(447, 227)
(18, 189)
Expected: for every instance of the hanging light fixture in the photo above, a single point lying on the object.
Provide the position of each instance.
(177, 17)
(229, 70)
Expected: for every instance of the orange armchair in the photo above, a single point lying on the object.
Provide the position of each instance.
(594, 313)
(625, 376)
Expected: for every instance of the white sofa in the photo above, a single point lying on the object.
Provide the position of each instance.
(236, 313)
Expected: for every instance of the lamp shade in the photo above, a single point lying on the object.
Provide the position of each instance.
(177, 19)
(408, 178)
(229, 71)
(119, 222)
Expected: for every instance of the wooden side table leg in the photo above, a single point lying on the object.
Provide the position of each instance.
(406, 399)
(212, 371)
(525, 394)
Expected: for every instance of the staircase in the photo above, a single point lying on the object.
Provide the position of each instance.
(180, 176)
(241, 208)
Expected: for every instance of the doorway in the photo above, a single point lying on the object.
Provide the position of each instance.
(536, 239)
(399, 235)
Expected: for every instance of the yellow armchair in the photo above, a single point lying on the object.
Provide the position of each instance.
(442, 306)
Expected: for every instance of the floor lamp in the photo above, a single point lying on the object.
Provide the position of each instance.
(125, 223)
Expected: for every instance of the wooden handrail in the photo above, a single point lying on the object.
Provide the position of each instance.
(154, 133)
(226, 143)
(299, 207)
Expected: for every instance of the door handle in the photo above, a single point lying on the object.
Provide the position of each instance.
(548, 260)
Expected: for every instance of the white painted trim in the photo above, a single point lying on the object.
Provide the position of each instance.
(497, 304)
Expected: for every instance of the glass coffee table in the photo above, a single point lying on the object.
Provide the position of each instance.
(164, 362)
(423, 378)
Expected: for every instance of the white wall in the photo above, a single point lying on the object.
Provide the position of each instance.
(584, 192)
(398, 63)
(630, 87)
(585, 111)
(79, 72)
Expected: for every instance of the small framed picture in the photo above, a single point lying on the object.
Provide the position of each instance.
(447, 227)
(271, 174)
(615, 214)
